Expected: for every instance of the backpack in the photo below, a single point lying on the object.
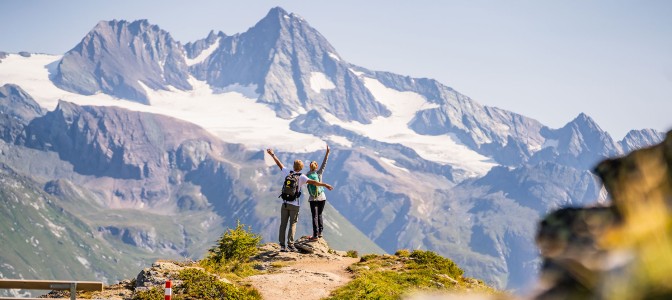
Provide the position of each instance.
(290, 187)
(314, 190)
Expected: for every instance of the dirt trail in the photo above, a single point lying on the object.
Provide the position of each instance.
(303, 276)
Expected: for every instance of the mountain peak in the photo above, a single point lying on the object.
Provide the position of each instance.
(293, 67)
(636, 139)
(279, 18)
(584, 122)
(277, 11)
(117, 57)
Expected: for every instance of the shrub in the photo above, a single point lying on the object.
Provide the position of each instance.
(403, 253)
(352, 253)
(235, 245)
(439, 264)
(368, 257)
(196, 284)
(154, 293)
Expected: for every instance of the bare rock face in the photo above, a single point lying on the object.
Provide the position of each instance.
(617, 252)
(17, 108)
(116, 56)
(16, 103)
(147, 154)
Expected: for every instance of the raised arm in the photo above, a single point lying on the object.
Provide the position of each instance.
(324, 162)
(317, 183)
(275, 158)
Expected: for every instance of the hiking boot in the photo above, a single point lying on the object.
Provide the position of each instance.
(283, 249)
(312, 238)
(292, 249)
(320, 234)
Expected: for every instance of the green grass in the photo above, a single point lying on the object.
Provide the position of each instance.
(197, 284)
(393, 276)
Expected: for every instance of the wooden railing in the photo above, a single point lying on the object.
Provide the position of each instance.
(73, 286)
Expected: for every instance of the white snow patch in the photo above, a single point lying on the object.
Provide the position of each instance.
(234, 115)
(445, 149)
(230, 114)
(360, 74)
(35, 206)
(204, 54)
(392, 163)
(341, 140)
(334, 56)
(83, 261)
(319, 82)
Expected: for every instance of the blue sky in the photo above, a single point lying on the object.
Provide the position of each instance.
(549, 60)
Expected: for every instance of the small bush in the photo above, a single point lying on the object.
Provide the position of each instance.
(352, 253)
(196, 284)
(403, 253)
(154, 293)
(439, 264)
(368, 257)
(235, 245)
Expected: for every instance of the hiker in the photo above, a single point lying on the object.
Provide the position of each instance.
(317, 198)
(291, 200)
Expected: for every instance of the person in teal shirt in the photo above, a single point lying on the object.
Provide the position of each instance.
(317, 198)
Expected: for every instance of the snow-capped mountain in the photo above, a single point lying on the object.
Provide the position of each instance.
(416, 164)
(118, 58)
(291, 66)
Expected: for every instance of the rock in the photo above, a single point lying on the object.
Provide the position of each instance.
(307, 245)
(159, 273)
(620, 251)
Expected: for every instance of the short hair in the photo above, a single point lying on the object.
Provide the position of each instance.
(313, 166)
(298, 165)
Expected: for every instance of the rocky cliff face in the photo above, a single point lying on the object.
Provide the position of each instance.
(636, 139)
(116, 57)
(17, 104)
(144, 150)
(17, 108)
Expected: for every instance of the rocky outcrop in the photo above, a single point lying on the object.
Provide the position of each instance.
(17, 104)
(17, 108)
